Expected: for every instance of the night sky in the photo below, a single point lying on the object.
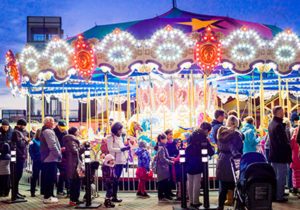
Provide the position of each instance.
(80, 15)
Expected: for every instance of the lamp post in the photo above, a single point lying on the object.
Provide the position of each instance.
(183, 181)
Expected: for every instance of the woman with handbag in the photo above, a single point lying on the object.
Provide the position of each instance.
(73, 153)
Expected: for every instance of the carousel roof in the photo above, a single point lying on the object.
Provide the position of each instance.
(160, 48)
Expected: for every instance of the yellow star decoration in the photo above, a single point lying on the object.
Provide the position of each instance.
(199, 24)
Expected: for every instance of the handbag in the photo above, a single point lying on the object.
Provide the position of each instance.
(80, 169)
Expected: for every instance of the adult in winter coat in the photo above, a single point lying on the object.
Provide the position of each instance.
(280, 151)
(5, 133)
(163, 161)
(73, 153)
(50, 157)
(19, 142)
(229, 146)
(295, 165)
(250, 140)
(60, 131)
(5, 170)
(216, 124)
(118, 150)
(35, 154)
(194, 165)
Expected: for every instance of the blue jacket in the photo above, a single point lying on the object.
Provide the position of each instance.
(143, 158)
(34, 150)
(250, 141)
(215, 127)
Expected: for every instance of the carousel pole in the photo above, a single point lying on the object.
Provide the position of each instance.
(237, 97)
(279, 91)
(193, 100)
(205, 97)
(107, 105)
(119, 103)
(43, 105)
(67, 109)
(128, 100)
(137, 99)
(96, 112)
(102, 112)
(288, 102)
(190, 100)
(29, 112)
(262, 101)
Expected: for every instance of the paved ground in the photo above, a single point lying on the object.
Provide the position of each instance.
(130, 202)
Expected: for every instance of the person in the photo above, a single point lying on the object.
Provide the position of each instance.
(60, 131)
(143, 170)
(50, 156)
(110, 179)
(216, 124)
(73, 153)
(173, 153)
(289, 133)
(249, 133)
(163, 161)
(280, 151)
(33, 132)
(5, 170)
(295, 165)
(5, 133)
(19, 141)
(294, 120)
(194, 165)
(234, 113)
(35, 155)
(117, 149)
(229, 145)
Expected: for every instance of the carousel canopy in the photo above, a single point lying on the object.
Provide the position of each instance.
(164, 48)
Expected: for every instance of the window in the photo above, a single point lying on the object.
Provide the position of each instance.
(39, 37)
(13, 115)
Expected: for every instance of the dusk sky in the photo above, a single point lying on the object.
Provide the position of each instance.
(80, 15)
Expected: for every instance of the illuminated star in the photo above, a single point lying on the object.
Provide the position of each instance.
(199, 24)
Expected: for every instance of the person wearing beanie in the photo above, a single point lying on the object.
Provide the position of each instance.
(110, 179)
(117, 149)
(143, 170)
(73, 153)
(5, 170)
(60, 131)
(5, 133)
(19, 142)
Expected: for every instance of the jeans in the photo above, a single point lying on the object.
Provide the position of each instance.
(62, 179)
(223, 189)
(109, 186)
(36, 168)
(19, 172)
(290, 178)
(74, 189)
(194, 186)
(163, 188)
(50, 173)
(281, 170)
(118, 172)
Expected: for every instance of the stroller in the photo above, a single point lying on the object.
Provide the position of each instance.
(255, 182)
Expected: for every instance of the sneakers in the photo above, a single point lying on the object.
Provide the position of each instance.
(139, 194)
(108, 203)
(142, 195)
(116, 200)
(72, 203)
(50, 200)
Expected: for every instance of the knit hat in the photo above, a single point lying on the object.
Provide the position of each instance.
(62, 123)
(5, 122)
(142, 144)
(22, 122)
(108, 158)
(72, 130)
(294, 117)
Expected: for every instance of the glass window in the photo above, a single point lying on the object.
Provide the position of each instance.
(38, 37)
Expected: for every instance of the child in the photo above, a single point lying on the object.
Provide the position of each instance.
(142, 172)
(4, 170)
(163, 161)
(109, 179)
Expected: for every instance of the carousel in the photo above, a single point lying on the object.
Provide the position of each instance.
(171, 71)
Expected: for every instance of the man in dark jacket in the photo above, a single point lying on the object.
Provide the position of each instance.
(5, 134)
(280, 151)
(216, 124)
(60, 132)
(19, 142)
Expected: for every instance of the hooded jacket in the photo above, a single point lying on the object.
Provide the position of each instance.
(34, 150)
(114, 145)
(143, 158)
(163, 162)
(215, 127)
(194, 164)
(280, 148)
(19, 141)
(50, 147)
(250, 141)
(108, 170)
(229, 146)
(5, 136)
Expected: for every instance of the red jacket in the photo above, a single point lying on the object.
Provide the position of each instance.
(295, 151)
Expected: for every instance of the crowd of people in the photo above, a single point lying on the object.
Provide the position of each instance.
(56, 149)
